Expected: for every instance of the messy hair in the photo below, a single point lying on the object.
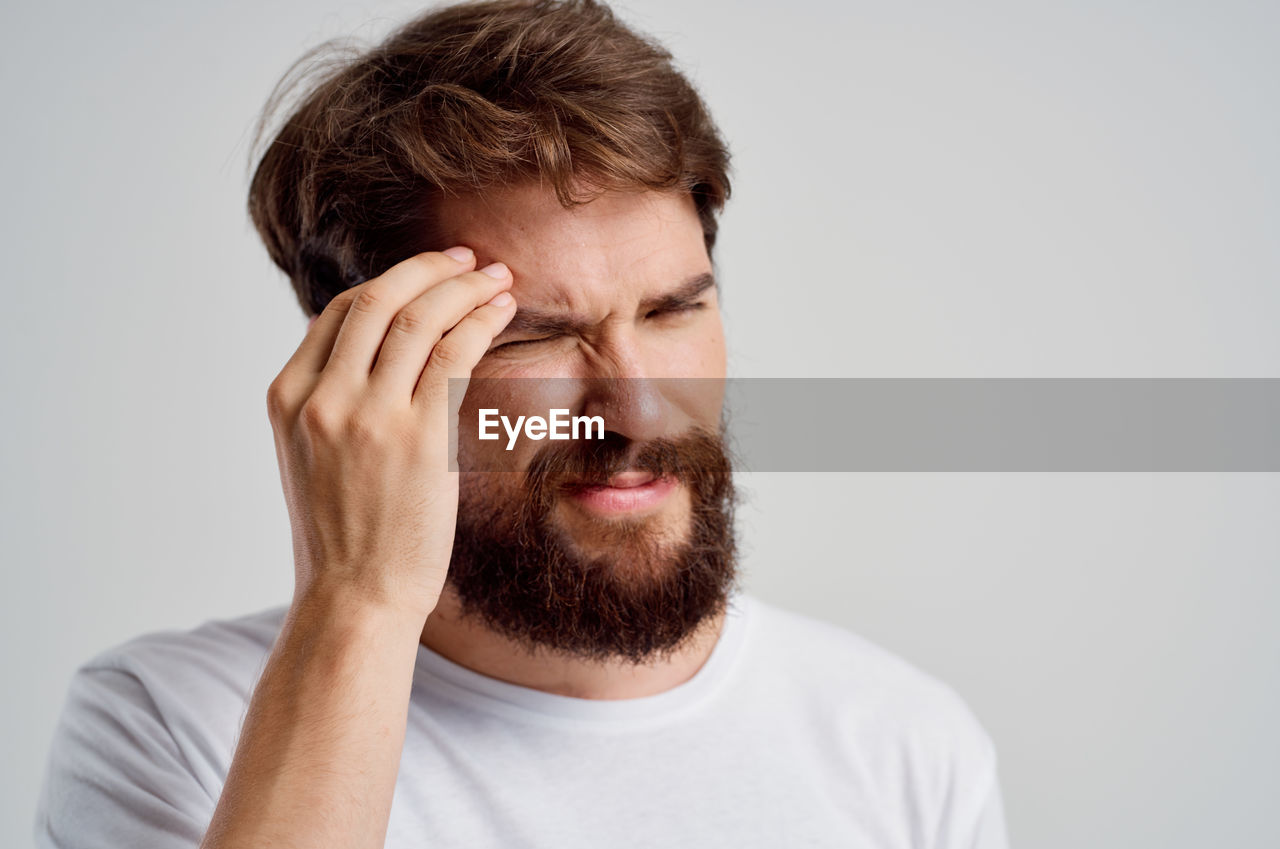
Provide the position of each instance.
(465, 97)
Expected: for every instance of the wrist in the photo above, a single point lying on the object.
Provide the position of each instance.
(324, 603)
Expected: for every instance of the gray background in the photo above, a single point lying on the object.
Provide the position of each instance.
(952, 190)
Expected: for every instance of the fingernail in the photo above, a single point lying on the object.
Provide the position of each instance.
(459, 253)
(495, 269)
(501, 299)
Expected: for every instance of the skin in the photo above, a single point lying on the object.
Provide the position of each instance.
(360, 414)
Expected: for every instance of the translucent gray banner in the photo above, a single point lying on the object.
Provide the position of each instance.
(912, 424)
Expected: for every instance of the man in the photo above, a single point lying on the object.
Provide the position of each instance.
(545, 647)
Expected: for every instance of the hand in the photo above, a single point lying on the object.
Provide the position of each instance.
(361, 416)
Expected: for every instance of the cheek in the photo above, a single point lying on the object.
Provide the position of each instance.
(698, 355)
(698, 352)
(488, 499)
(509, 402)
(716, 343)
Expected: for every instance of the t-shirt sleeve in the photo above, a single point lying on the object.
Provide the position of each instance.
(990, 832)
(971, 802)
(115, 776)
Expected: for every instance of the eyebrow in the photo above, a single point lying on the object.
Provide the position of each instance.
(542, 322)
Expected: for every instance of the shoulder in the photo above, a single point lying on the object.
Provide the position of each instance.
(147, 732)
(217, 661)
(880, 727)
(235, 647)
(204, 669)
(193, 684)
(853, 687)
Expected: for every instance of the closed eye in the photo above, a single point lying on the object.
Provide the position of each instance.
(668, 310)
(523, 342)
(676, 308)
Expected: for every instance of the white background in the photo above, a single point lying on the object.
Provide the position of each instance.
(927, 190)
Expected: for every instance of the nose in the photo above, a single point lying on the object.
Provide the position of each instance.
(631, 406)
(620, 390)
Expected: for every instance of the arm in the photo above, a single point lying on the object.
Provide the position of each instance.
(319, 751)
(360, 415)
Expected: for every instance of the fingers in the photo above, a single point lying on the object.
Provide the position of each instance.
(300, 374)
(397, 283)
(458, 351)
(424, 321)
(370, 311)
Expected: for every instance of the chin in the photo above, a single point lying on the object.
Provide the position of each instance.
(627, 536)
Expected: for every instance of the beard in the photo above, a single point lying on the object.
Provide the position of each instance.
(517, 570)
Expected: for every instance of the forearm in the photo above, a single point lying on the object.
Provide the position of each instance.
(320, 748)
(359, 414)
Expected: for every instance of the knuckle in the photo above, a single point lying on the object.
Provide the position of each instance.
(340, 303)
(445, 355)
(318, 417)
(366, 301)
(277, 400)
(365, 428)
(410, 321)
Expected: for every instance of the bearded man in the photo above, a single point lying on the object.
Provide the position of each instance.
(540, 646)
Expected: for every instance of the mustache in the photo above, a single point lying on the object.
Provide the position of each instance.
(697, 458)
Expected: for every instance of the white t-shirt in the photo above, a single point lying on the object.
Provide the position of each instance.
(793, 733)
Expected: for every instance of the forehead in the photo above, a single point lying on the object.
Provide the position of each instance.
(618, 239)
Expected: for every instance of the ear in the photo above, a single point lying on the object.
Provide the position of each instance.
(312, 321)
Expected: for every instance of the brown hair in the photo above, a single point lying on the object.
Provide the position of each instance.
(465, 97)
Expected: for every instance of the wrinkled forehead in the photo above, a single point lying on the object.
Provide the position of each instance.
(629, 241)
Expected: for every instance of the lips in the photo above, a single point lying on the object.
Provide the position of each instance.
(628, 479)
(625, 492)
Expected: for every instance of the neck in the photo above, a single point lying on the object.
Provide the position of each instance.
(467, 642)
